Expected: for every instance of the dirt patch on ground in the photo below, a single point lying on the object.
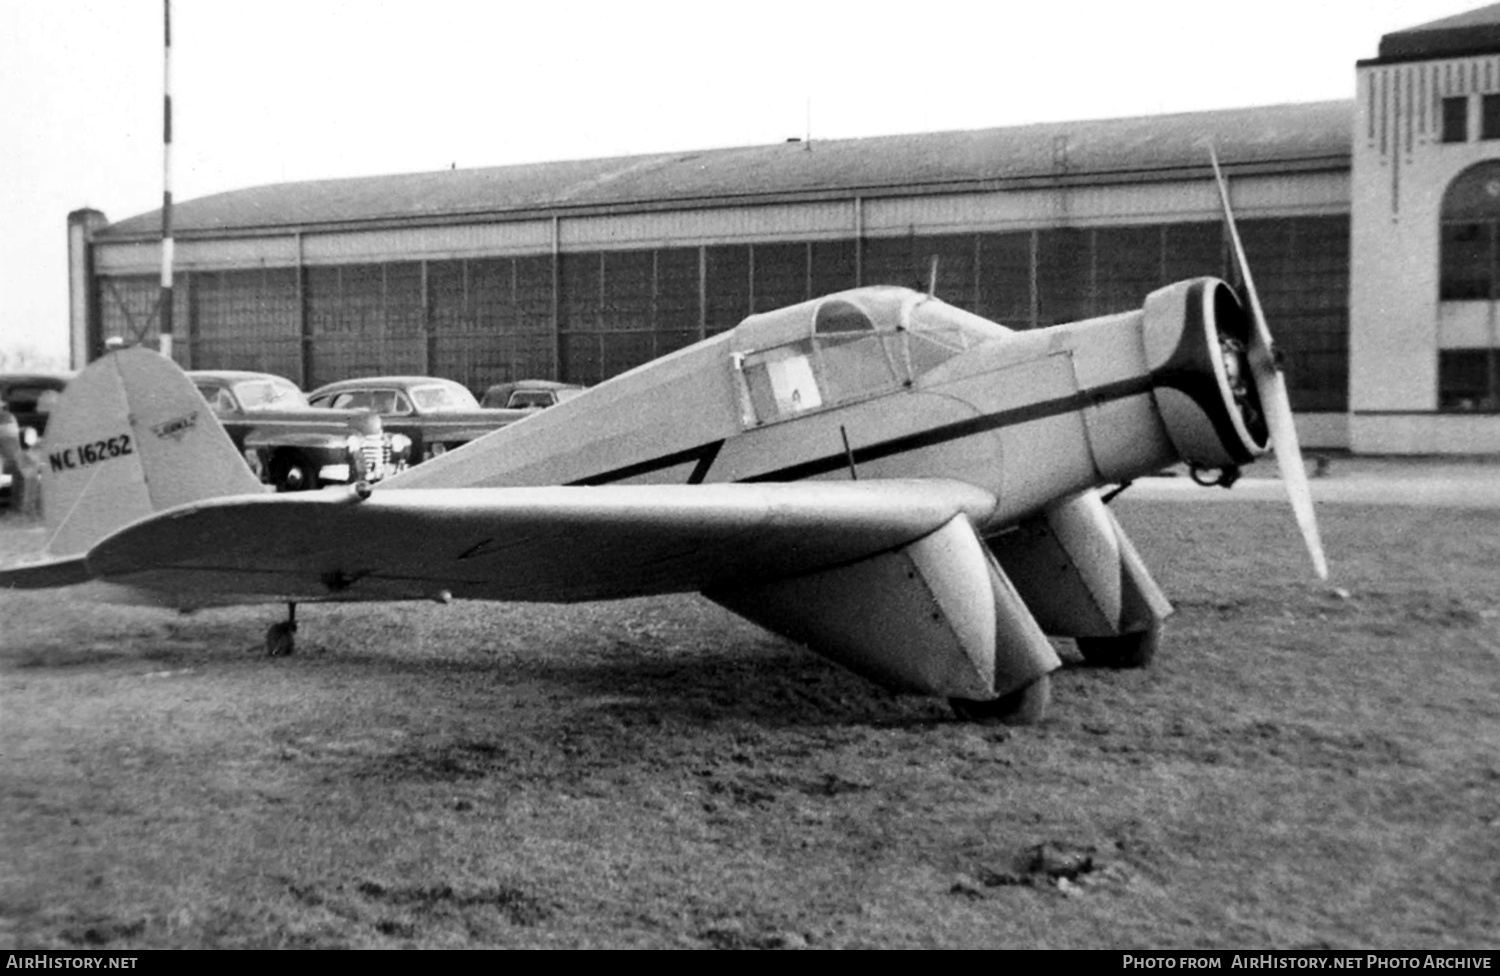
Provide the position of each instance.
(1300, 768)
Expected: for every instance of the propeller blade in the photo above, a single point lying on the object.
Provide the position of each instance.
(1271, 386)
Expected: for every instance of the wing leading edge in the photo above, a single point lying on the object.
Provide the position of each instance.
(554, 544)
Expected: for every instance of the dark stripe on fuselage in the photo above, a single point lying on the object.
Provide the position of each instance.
(961, 429)
(703, 455)
(706, 453)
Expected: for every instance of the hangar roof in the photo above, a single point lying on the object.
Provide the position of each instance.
(1474, 32)
(1278, 138)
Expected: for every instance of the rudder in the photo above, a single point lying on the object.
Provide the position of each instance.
(131, 436)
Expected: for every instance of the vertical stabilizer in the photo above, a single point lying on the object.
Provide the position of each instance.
(131, 436)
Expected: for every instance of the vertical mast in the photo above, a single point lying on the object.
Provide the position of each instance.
(166, 183)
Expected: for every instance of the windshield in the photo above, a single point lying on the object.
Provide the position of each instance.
(30, 398)
(270, 393)
(536, 399)
(443, 399)
(937, 332)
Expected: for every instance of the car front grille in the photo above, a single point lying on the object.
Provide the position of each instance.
(375, 452)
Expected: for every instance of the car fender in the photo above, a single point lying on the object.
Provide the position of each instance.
(270, 439)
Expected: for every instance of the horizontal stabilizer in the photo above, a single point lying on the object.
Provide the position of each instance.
(46, 574)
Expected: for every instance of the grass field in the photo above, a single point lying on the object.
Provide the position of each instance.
(1300, 768)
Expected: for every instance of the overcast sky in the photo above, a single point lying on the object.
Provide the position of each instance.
(278, 90)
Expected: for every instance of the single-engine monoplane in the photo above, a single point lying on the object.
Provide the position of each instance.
(901, 485)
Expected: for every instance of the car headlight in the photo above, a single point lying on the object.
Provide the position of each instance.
(354, 443)
(400, 443)
(29, 437)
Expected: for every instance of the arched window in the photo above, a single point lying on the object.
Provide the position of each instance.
(1469, 377)
(1470, 260)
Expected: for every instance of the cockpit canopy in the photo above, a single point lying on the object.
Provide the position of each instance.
(847, 347)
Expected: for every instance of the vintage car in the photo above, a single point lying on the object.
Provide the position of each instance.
(529, 394)
(29, 398)
(437, 415)
(289, 444)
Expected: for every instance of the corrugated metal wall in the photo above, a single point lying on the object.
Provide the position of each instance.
(491, 320)
(488, 319)
(245, 320)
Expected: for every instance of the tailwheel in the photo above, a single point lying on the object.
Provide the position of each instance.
(1024, 706)
(280, 638)
(1133, 650)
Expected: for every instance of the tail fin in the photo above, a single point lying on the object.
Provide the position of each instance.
(131, 436)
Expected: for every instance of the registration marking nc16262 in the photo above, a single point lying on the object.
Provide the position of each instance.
(85, 455)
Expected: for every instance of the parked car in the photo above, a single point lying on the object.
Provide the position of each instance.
(529, 394)
(29, 398)
(437, 415)
(289, 444)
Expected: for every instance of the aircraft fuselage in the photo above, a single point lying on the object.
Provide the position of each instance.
(875, 383)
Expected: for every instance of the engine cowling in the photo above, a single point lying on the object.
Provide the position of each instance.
(1197, 336)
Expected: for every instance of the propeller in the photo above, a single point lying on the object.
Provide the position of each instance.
(1271, 386)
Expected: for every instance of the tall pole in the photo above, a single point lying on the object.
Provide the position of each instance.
(166, 184)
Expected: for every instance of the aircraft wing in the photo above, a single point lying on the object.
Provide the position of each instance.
(554, 544)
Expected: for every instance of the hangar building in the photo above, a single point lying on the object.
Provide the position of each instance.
(1372, 226)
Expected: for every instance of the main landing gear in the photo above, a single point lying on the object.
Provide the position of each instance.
(1024, 706)
(1134, 650)
(1028, 705)
(280, 638)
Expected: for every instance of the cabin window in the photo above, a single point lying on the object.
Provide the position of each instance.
(841, 316)
(855, 361)
(793, 379)
(940, 332)
(857, 366)
(930, 348)
(846, 360)
(782, 382)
